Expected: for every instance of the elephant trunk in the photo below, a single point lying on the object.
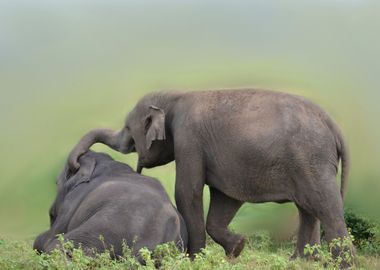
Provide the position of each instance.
(108, 137)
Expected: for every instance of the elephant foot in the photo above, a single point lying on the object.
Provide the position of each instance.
(236, 248)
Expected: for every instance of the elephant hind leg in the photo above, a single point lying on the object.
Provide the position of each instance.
(333, 222)
(327, 206)
(221, 212)
(308, 232)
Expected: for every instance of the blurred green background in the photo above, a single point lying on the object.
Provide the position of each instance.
(69, 66)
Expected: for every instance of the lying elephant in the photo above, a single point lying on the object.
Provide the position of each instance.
(248, 146)
(107, 198)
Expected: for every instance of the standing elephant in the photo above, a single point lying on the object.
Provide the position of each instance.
(247, 145)
(107, 198)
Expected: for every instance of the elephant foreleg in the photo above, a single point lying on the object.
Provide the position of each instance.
(221, 212)
(188, 195)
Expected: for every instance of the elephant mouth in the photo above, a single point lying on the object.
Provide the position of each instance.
(142, 162)
(128, 149)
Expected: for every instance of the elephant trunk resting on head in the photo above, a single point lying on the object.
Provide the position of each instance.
(107, 198)
(248, 146)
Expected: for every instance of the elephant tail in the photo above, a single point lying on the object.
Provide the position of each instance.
(343, 155)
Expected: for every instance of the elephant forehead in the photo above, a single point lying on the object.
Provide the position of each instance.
(132, 116)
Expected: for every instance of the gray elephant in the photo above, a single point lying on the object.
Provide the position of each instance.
(108, 199)
(247, 145)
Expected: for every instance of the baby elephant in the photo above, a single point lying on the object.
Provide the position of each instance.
(107, 198)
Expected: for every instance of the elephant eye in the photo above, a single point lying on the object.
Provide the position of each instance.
(127, 128)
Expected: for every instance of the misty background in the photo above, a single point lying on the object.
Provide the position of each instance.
(70, 66)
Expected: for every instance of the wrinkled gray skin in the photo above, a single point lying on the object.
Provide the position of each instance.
(108, 198)
(248, 146)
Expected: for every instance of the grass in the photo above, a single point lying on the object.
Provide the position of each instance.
(261, 252)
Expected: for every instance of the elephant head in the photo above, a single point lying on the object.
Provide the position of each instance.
(66, 182)
(61, 210)
(145, 131)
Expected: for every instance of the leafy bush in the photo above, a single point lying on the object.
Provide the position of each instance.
(364, 231)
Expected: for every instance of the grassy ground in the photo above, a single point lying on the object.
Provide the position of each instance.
(260, 253)
(68, 67)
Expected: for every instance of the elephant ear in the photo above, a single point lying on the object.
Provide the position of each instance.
(83, 175)
(154, 125)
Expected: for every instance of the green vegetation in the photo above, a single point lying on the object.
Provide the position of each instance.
(364, 231)
(67, 67)
(261, 252)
